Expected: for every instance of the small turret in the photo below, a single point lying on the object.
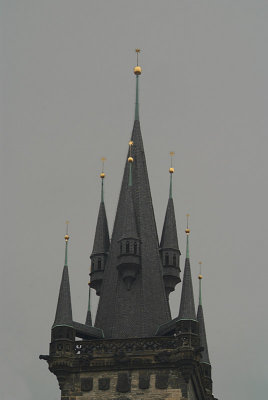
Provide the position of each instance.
(205, 363)
(63, 324)
(187, 307)
(187, 326)
(129, 244)
(89, 317)
(101, 242)
(169, 247)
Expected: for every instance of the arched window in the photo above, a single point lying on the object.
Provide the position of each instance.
(135, 247)
(166, 259)
(99, 263)
(127, 247)
(174, 260)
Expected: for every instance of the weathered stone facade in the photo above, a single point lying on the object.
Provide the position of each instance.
(130, 369)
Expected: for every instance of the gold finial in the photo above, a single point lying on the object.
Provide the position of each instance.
(89, 283)
(102, 175)
(130, 158)
(67, 237)
(137, 69)
(171, 169)
(187, 230)
(200, 276)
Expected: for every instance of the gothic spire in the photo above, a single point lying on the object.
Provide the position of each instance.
(169, 238)
(140, 309)
(101, 242)
(187, 307)
(89, 318)
(169, 247)
(200, 319)
(64, 307)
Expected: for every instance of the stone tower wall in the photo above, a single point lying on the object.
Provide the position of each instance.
(127, 385)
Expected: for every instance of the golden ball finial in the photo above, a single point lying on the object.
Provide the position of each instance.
(102, 175)
(130, 143)
(137, 70)
(200, 276)
(89, 283)
(130, 159)
(171, 170)
(67, 237)
(187, 231)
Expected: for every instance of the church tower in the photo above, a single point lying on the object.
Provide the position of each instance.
(135, 350)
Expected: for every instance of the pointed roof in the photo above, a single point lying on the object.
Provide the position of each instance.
(202, 328)
(139, 311)
(187, 307)
(129, 224)
(169, 237)
(64, 307)
(101, 240)
(89, 318)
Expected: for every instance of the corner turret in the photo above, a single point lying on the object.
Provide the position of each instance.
(62, 328)
(101, 242)
(205, 362)
(89, 317)
(169, 247)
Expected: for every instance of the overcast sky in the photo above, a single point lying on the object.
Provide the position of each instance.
(68, 99)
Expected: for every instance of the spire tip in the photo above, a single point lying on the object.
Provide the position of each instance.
(187, 230)
(137, 69)
(67, 237)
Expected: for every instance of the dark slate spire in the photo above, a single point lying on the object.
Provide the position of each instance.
(101, 243)
(202, 329)
(64, 307)
(89, 318)
(187, 307)
(101, 240)
(169, 247)
(138, 311)
(169, 237)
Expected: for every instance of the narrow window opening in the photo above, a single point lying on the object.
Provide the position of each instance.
(127, 247)
(166, 259)
(99, 263)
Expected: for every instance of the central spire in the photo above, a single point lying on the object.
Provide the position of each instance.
(133, 307)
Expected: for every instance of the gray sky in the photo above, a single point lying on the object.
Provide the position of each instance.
(68, 99)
